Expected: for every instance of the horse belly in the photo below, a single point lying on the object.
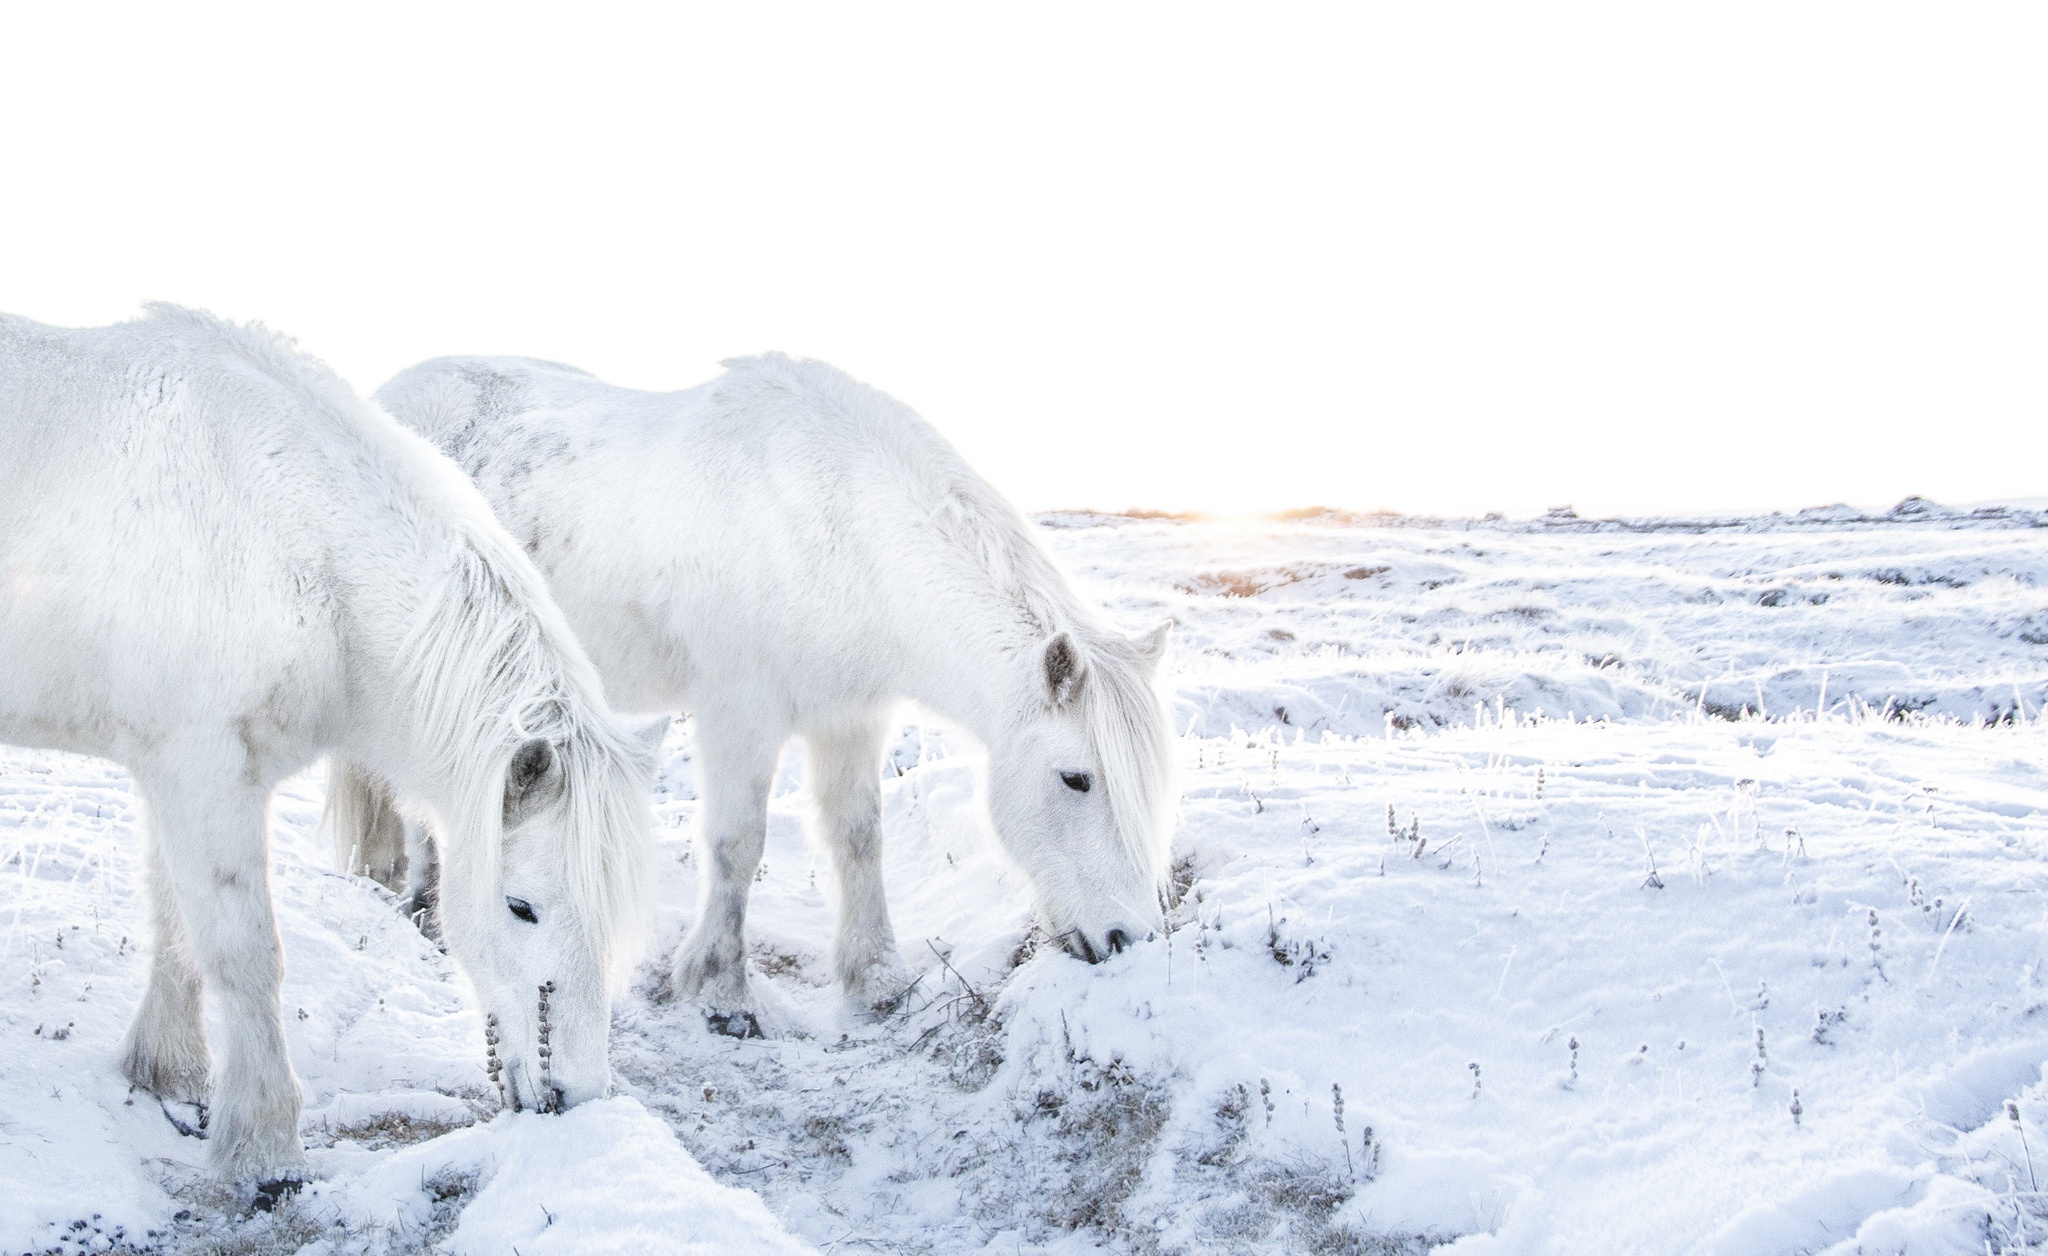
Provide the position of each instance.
(117, 651)
(644, 663)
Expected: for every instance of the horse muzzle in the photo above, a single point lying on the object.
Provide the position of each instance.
(1100, 946)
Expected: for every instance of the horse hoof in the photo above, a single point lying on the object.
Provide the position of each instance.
(734, 1024)
(270, 1194)
(880, 990)
(194, 1128)
(876, 1002)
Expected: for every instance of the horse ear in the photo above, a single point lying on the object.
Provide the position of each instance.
(534, 777)
(1152, 646)
(647, 740)
(1064, 670)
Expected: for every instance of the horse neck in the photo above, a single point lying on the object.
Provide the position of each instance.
(976, 665)
(983, 601)
(969, 684)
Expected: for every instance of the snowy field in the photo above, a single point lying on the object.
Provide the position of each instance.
(1545, 887)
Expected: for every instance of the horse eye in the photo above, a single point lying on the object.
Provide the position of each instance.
(1076, 781)
(522, 909)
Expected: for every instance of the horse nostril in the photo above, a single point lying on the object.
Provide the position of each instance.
(1117, 940)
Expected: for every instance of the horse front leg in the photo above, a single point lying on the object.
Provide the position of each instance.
(165, 1050)
(734, 778)
(844, 775)
(214, 851)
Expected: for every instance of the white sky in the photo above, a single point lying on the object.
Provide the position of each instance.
(1433, 257)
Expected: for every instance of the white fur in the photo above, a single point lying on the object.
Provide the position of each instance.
(217, 563)
(785, 551)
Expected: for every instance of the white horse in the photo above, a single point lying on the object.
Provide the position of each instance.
(216, 563)
(785, 551)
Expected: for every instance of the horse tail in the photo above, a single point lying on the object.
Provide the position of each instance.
(364, 824)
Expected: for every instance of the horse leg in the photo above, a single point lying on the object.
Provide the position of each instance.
(422, 898)
(372, 838)
(214, 851)
(735, 775)
(844, 774)
(367, 831)
(165, 1051)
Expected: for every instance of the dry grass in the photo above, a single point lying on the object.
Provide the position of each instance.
(1102, 1133)
(396, 1129)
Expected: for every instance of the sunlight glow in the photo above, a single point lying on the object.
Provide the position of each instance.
(1441, 259)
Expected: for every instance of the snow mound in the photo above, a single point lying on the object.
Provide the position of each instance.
(602, 1178)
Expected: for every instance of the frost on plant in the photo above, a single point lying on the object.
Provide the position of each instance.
(1301, 954)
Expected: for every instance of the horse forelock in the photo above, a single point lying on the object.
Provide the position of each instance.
(608, 853)
(1128, 729)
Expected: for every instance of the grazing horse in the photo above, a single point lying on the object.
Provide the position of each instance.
(216, 563)
(785, 551)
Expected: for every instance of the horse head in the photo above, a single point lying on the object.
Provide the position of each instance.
(1080, 787)
(545, 934)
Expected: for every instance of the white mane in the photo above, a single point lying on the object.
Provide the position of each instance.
(1133, 741)
(485, 642)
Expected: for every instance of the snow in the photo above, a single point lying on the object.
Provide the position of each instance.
(605, 1177)
(1741, 808)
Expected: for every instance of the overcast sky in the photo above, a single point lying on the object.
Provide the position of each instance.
(1434, 257)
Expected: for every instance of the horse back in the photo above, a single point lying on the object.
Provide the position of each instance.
(172, 506)
(773, 529)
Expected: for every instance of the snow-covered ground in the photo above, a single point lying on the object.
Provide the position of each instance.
(1551, 886)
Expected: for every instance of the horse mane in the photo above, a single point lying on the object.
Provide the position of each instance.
(486, 666)
(1122, 707)
(1127, 723)
(487, 662)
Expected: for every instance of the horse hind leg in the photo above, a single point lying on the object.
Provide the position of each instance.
(422, 898)
(165, 1051)
(372, 838)
(364, 825)
(735, 775)
(843, 771)
(213, 850)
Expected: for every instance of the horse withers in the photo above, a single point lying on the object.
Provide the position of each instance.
(217, 563)
(785, 551)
